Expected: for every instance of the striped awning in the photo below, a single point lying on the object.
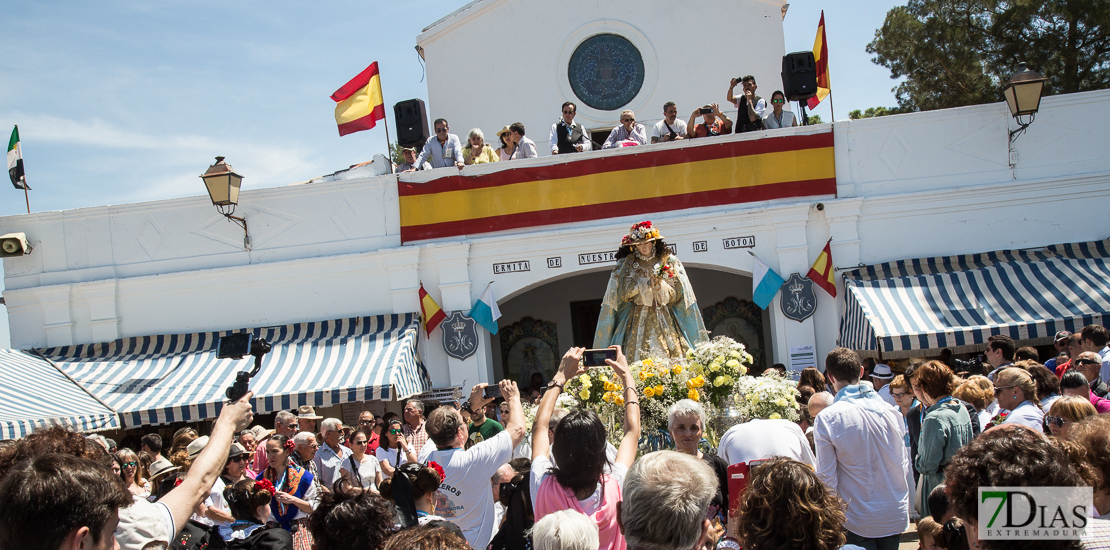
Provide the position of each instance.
(35, 395)
(177, 378)
(958, 302)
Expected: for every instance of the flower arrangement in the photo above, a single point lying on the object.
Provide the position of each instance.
(599, 389)
(664, 270)
(771, 396)
(721, 362)
(640, 232)
(660, 384)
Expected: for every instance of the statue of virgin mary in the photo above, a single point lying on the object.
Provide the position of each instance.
(649, 308)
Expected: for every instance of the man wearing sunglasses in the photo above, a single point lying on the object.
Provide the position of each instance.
(1094, 338)
(366, 422)
(441, 150)
(1089, 364)
(568, 136)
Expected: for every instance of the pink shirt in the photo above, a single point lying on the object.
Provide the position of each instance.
(1102, 405)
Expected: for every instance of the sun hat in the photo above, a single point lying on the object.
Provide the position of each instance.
(306, 412)
(882, 371)
(197, 446)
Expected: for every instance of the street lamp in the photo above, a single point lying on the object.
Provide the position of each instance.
(1023, 97)
(223, 188)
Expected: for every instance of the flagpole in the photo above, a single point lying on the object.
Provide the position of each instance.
(385, 119)
(828, 73)
(26, 195)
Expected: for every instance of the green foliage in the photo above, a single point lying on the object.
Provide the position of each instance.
(395, 153)
(872, 112)
(815, 120)
(953, 53)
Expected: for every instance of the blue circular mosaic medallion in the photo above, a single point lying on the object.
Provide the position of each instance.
(606, 72)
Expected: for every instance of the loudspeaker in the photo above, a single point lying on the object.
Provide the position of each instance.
(799, 76)
(14, 244)
(412, 122)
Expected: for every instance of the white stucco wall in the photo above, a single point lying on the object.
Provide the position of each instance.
(690, 53)
(909, 186)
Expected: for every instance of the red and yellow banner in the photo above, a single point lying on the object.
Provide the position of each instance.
(360, 105)
(586, 188)
(821, 56)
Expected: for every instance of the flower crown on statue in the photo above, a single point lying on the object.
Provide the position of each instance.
(641, 233)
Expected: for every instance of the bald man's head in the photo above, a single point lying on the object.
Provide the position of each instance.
(819, 401)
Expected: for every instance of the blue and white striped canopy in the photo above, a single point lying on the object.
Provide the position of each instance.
(35, 395)
(177, 378)
(958, 302)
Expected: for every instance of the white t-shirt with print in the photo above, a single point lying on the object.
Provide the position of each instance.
(465, 497)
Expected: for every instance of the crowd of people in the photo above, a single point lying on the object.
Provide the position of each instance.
(568, 136)
(876, 447)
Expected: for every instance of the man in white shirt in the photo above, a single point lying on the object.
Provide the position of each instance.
(863, 455)
(441, 150)
(1094, 338)
(525, 148)
(880, 379)
(999, 353)
(568, 136)
(465, 496)
(670, 128)
(765, 438)
(331, 456)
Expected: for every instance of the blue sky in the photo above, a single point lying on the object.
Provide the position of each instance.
(121, 102)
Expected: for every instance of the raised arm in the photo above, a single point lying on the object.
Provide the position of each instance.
(731, 86)
(511, 393)
(630, 443)
(690, 123)
(570, 367)
(181, 501)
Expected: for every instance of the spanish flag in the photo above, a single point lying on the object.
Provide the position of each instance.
(821, 55)
(822, 271)
(429, 309)
(360, 103)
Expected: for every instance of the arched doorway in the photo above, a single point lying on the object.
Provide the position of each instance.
(539, 324)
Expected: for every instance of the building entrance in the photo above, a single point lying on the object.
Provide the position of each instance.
(539, 324)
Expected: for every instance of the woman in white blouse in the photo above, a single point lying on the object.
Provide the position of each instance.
(362, 469)
(394, 450)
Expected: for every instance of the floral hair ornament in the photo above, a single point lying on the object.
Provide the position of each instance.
(641, 233)
(439, 470)
(289, 446)
(265, 485)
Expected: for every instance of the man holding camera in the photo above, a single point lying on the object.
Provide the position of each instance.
(750, 107)
(670, 128)
(714, 122)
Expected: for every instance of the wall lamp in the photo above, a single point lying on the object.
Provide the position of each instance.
(223, 188)
(1023, 96)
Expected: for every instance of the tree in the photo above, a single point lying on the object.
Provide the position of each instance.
(955, 53)
(872, 112)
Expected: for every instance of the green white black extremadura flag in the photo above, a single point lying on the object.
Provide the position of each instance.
(15, 162)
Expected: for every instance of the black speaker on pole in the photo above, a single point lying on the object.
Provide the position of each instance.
(412, 122)
(799, 76)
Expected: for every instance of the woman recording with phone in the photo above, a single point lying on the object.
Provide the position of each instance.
(394, 450)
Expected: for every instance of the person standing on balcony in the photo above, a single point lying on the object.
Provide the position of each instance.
(525, 148)
(778, 118)
(670, 128)
(505, 152)
(750, 107)
(628, 133)
(714, 122)
(443, 149)
(568, 136)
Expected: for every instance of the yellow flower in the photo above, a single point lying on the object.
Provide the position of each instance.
(714, 367)
(587, 384)
(733, 364)
(608, 397)
(718, 381)
(649, 391)
(690, 355)
(775, 416)
(691, 384)
(648, 362)
(620, 400)
(609, 386)
(781, 402)
(693, 394)
(677, 369)
(584, 394)
(729, 380)
(734, 354)
(659, 390)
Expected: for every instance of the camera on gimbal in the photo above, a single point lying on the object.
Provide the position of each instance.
(237, 346)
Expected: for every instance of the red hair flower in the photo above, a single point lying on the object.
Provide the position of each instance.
(439, 470)
(265, 485)
(290, 446)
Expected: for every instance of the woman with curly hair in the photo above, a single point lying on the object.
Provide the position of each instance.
(249, 503)
(786, 506)
(352, 519)
(294, 492)
(424, 479)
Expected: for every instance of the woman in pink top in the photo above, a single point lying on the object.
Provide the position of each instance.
(574, 472)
